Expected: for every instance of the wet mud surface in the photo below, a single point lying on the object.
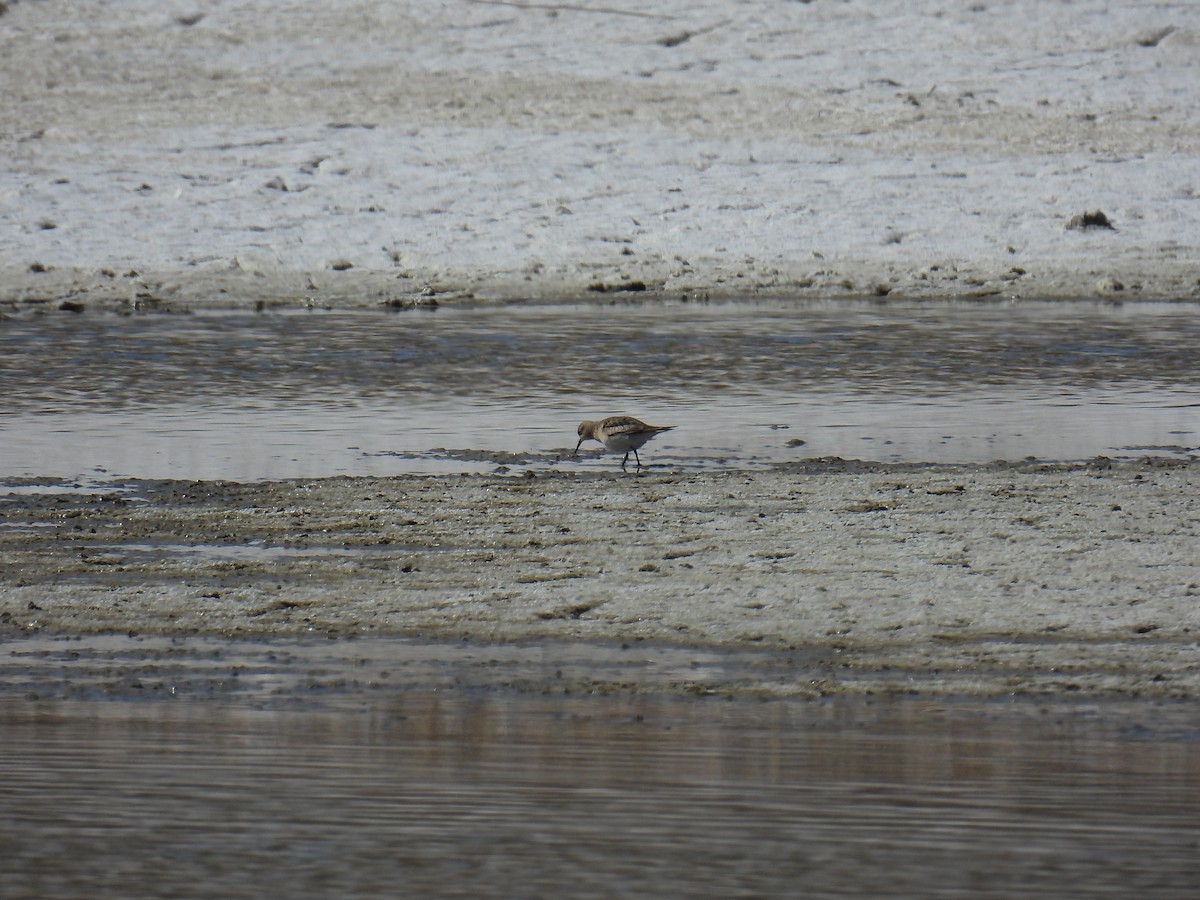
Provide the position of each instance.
(849, 577)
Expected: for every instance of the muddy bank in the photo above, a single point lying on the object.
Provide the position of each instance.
(164, 290)
(989, 580)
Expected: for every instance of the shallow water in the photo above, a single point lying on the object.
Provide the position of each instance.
(421, 771)
(247, 396)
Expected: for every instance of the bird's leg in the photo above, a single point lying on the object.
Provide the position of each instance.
(635, 456)
(626, 459)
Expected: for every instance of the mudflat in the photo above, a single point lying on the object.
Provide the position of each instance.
(846, 577)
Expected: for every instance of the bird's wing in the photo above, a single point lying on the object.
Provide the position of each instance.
(623, 425)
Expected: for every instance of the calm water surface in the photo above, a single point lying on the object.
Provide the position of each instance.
(247, 769)
(249, 396)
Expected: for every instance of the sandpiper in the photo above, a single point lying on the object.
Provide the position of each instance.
(619, 433)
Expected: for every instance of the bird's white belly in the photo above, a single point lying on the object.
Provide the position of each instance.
(623, 443)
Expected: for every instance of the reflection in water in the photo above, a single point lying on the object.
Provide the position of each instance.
(500, 795)
(207, 768)
(252, 396)
(504, 353)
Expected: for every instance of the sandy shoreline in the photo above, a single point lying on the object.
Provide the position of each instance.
(989, 580)
(295, 153)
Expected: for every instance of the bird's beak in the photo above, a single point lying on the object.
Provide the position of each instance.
(575, 452)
